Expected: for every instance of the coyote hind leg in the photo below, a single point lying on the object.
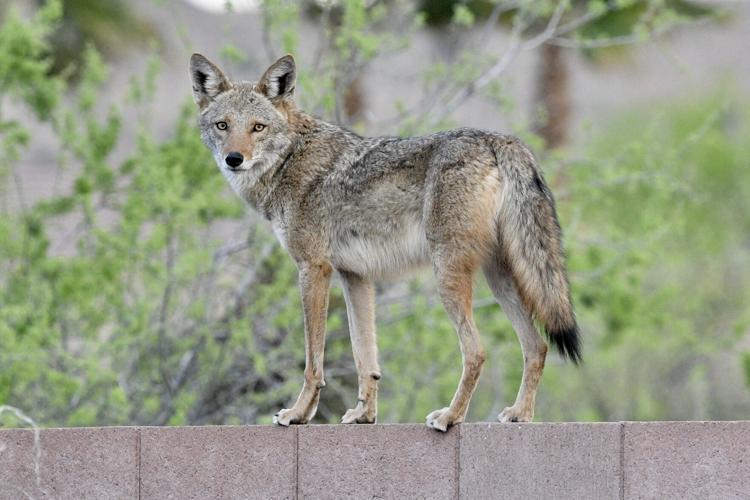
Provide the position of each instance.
(360, 309)
(533, 345)
(456, 293)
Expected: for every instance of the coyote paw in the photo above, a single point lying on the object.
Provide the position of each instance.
(287, 417)
(514, 414)
(359, 415)
(441, 419)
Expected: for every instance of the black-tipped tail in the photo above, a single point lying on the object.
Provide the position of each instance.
(567, 342)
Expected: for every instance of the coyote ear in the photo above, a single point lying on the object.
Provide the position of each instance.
(279, 79)
(208, 80)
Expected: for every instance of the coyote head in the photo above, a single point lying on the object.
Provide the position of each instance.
(244, 124)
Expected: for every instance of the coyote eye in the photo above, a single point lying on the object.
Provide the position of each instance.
(221, 125)
(258, 127)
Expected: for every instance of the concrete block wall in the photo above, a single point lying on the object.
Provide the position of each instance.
(659, 460)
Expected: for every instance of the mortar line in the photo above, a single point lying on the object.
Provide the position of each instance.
(138, 460)
(622, 460)
(458, 462)
(296, 460)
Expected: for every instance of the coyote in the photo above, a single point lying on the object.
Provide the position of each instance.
(370, 208)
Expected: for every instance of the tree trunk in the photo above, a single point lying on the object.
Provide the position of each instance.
(552, 97)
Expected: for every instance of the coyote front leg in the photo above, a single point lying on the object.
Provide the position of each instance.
(360, 309)
(314, 283)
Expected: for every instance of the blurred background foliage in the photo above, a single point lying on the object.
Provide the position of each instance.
(150, 320)
(112, 26)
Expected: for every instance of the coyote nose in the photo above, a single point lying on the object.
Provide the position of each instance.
(234, 159)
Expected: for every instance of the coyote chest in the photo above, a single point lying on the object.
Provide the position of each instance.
(381, 253)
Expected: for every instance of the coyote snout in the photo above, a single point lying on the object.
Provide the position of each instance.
(462, 201)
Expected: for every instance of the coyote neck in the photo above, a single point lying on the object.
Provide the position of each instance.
(316, 148)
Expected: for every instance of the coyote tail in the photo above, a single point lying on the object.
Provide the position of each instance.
(531, 243)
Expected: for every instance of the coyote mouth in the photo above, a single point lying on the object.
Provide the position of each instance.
(246, 166)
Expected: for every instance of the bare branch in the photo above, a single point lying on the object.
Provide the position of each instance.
(486, 77)
(615, 41)
(550, 30)
(580, 21)
(499, 8)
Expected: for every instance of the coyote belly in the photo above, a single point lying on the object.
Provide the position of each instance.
(382, 254)
(369, 208)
